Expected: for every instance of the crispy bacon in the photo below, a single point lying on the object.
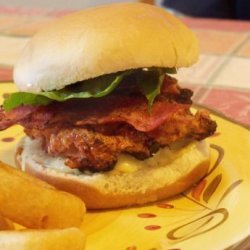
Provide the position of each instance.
(8, 119)
(110, 109)
(131, 109)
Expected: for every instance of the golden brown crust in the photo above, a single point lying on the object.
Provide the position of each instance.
(5, 224)
(95, 198)
(102, 40)
(33, 203)
(53, 239)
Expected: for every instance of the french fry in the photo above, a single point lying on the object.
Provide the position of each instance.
(5, 224)
(36, 204)
(57, 239)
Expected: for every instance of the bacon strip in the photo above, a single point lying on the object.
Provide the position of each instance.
(8, 119)
(132, 110)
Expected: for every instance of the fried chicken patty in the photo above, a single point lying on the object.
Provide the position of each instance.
(96, 148)
(86, 149)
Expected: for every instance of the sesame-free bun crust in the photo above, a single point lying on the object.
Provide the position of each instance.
(102, 40)
(120, 189)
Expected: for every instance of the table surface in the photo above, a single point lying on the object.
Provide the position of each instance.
(220, 80)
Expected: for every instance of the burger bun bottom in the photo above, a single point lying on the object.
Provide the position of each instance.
(132, 182)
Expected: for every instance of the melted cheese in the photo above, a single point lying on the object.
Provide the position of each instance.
(127, 163)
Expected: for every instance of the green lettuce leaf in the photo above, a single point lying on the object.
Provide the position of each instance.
(24, 98)
(149, 81)
(96, 87)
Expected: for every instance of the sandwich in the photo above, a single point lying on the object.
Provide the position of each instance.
(103, 115)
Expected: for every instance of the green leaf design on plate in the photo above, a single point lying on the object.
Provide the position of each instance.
(199, 225)
(210, 190)
(229, 190)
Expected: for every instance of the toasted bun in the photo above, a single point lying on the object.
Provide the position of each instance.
(103, 40)
(57, 239)
(132, 182)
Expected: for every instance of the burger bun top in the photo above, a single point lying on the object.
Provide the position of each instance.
(103, 40)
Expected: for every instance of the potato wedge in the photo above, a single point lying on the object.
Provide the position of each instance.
(5, 224)
(57, 239)
(36, 204)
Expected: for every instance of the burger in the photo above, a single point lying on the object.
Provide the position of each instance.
(103, 115)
